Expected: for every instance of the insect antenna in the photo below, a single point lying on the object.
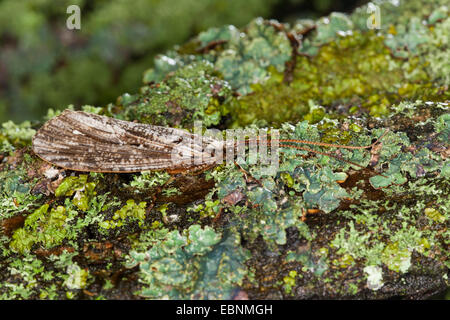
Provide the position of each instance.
(324, 144)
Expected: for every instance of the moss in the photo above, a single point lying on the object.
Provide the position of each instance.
(43, 227)
(83, 190)
(340, 73)
(192, 93)
(289, 281)
(129, 212)
(207, 209)
(360, 83)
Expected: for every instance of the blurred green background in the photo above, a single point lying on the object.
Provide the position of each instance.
(43, 64)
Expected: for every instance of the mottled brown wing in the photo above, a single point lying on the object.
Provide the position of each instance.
(83, 141)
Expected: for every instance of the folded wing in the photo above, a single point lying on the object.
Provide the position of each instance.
(82, 141)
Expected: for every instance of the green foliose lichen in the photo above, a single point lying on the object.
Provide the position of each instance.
(327, 29)
(284, 195)
(314, 263)
(202, 264)
(403, 239)
(146, 180)
(15, 195)
(351, 66)
(415, 163)
(405, 40)
(262, 204)
(246, 56)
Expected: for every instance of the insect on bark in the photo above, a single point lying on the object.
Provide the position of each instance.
(83, 141)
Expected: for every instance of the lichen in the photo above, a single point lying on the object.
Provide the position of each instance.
(15, 135)
(332, 77)
(246, 57)
(289, 281)
(193, 92)
(200, 264)
(77, 279)
(374, 277)
(131, 211)
(15, 192)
